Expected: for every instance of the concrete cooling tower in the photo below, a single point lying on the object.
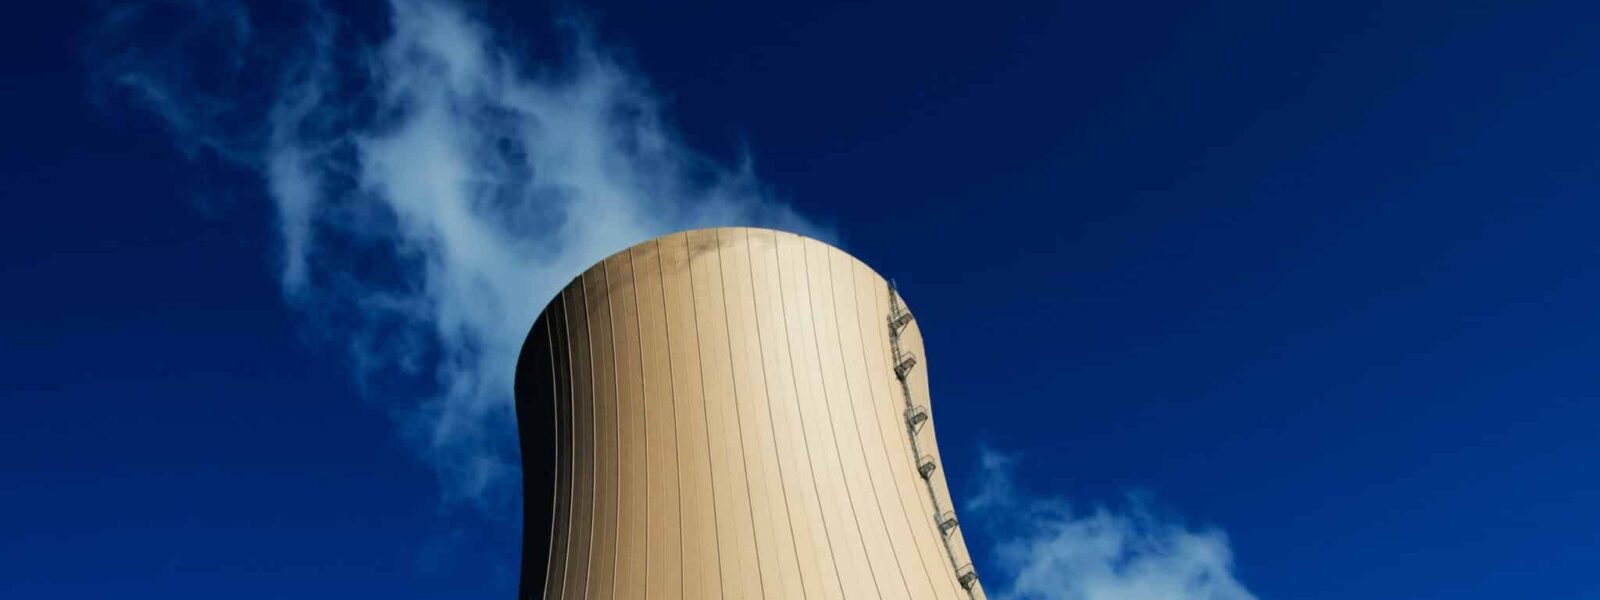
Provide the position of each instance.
(733, 413)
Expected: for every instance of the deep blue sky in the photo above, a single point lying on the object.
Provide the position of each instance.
(1324, 277)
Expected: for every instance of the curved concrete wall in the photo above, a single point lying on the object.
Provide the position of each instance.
(717, 414)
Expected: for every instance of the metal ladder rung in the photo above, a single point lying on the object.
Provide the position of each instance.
(967, 576)
(898, 321)
(926, 467)
(907, 361)
(915, 417)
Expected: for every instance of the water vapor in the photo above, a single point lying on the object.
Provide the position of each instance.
(1045, 550)
(431, 188)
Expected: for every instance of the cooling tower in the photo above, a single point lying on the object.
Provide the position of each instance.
(732, 413)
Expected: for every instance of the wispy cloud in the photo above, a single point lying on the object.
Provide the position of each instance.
(432, 188)
(1045, 550)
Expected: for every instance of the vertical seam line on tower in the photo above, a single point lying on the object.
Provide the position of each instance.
(644, 420)
(555, 472)
(794, 381)
(738, 421)
(616, 399)
(832, 431)
(594, 435)
(572, 467)
(688, 253)
(661, 281)
(596, 501)
(772, 427)
(572, 433)
(866, 463)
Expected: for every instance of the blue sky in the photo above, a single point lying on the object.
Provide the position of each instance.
(1316, 286)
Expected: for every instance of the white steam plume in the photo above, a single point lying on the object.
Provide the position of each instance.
(432, 190)
(1046, 551)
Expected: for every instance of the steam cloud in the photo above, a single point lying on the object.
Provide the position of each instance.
(431, 190)
(1046, 551)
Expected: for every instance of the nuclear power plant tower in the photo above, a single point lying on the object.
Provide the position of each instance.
(733, 413)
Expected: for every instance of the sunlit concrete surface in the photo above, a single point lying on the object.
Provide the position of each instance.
(717, 413)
